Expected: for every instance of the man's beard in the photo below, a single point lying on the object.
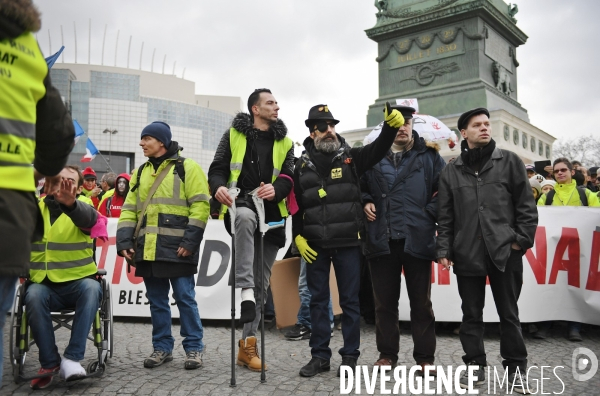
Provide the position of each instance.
(327, 146)
(268, 121)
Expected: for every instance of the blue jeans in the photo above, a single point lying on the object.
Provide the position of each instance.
(304, 311)
(346, 263)
(41, 299)
(7, 294)
(184, 292)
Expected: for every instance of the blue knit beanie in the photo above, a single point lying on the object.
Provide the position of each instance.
(159, 130)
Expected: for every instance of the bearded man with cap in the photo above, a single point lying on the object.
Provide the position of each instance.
(166, 250)
(400, 201)
(487, 220)
(330, 226)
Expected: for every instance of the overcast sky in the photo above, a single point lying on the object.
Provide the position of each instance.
(314, 51)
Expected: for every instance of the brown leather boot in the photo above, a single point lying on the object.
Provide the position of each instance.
(248, 354)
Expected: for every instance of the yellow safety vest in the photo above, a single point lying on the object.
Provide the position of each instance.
(65, 253)
(237, 142)
(173, 207)
(22, 73)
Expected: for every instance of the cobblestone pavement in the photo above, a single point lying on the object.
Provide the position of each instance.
(125, 374)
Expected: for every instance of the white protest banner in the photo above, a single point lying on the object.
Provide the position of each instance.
(561, 274)
(212, 292)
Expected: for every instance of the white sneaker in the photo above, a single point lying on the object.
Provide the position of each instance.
(71, 370)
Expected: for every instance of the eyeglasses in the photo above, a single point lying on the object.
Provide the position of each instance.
(562, 170)
(323, 126)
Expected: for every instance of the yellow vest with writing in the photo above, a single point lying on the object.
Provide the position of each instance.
(22, 73)
(237, 143)
(65, 253)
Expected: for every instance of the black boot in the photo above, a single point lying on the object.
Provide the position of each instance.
(248, 313)
(314, 367)
(347, 361)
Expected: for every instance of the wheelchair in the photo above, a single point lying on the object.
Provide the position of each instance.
(102, 332)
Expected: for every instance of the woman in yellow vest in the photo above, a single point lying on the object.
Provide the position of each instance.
(62, 272)
(35, 128)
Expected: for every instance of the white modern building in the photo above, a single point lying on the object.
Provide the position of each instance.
(114, 104)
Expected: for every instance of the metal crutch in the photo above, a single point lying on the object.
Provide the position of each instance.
(233, 193)
(263, 227)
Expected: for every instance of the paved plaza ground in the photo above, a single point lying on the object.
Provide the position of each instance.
(125, 374)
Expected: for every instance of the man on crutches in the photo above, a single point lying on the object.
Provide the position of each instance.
(254, 154)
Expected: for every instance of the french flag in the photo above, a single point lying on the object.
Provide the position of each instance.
(79, 132)
(90, 151)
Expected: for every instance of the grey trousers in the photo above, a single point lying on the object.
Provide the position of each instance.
(247, 260)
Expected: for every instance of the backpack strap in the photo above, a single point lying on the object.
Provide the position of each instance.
(108, 203)
(179, 168)
(137, 181)
(582, 196)
(550, 197)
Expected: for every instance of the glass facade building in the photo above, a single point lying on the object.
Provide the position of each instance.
(104, 99)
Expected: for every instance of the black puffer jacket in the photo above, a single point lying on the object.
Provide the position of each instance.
(256, 168)
(484, 213)
(335, 219)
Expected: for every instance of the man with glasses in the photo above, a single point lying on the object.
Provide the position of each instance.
(487, 220)
(254, 153)
(330, 226)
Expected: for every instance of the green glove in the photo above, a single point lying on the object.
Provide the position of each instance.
(393, 117)
(305, 250)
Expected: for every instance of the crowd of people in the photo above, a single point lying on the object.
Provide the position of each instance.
(385, 201)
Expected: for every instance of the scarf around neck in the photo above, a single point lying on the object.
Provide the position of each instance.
(474, 156)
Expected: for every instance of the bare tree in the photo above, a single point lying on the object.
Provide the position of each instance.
(585, 149)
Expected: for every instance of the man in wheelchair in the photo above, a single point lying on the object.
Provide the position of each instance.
(62, 275)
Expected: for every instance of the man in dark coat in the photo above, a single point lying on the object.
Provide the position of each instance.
(487, 220)
(330, 220)
(400, 197)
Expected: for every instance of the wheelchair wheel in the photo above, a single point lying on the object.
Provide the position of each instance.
(110, 324)
(107, 315)
(94, 366)
(17, 355)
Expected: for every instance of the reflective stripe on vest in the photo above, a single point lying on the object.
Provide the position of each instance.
(173, 200)
(21, 87)
(65, 253)
(237, 143)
